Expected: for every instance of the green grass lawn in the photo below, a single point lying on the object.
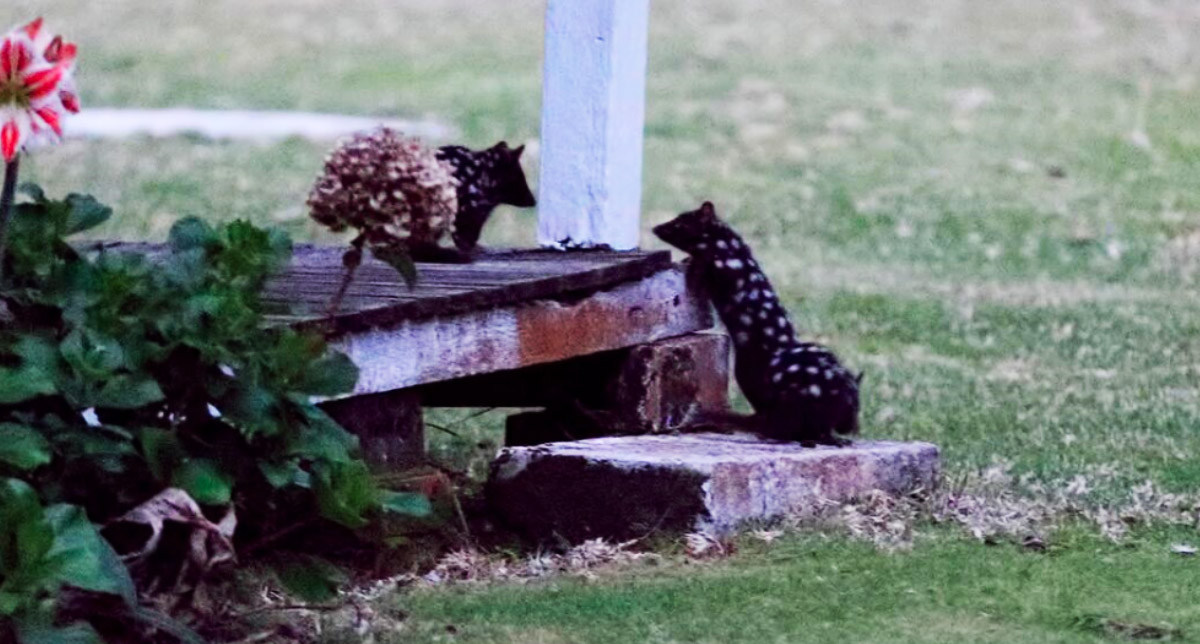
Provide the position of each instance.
(992, 208)
(819, 590)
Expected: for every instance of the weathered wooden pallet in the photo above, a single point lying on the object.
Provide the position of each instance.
(508, 310)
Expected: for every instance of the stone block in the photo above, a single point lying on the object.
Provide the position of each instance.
(628, 486)
(650, 389)
(662, 385)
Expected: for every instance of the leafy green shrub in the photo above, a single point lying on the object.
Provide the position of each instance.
(42, 549)
(122, 373)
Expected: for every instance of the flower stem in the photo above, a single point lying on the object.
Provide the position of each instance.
(6, 203)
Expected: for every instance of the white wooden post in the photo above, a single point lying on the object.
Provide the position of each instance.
(593, 114)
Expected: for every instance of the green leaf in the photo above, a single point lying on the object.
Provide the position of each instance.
(205, 481)
(189, 233)
(84, 559)
(333, 374)
(23, 539)
(409, 504)
(19, 385)
(278, 474)
(33, 191)
(253, 408)
(400, 259)
(312, 579)
(39, 628)
(18, 503)
(92, 354)
(162, 450)
(128, 392)
(85, 213)
(36, 374)
(345, 493)
(23, 447)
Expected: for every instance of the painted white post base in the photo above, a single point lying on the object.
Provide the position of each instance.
(593, 116)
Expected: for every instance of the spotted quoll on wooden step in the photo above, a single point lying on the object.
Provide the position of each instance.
(799, 390)
(486, 179)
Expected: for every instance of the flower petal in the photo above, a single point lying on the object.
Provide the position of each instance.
(44, 82)
(69, 100)
(50, 117)
(53, 51)
(67, 54)
(10, 140)
(33, 27)
(15, 56)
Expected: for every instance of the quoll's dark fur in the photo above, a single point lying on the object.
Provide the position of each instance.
(799, 390)
(487, 178)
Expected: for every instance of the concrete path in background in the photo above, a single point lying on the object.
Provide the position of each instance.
(99, 123)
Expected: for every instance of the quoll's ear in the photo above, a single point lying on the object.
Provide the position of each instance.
(502, 146)
(708, 210)
(518, 151)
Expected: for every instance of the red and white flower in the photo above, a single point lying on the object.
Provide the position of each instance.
(37, 87)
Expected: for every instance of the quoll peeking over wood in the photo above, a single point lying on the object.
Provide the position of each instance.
(799, 390)
(398, 193)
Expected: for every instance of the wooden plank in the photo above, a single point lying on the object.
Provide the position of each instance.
(378, 296)
(593, 114)
(407, 353)
(505, 312)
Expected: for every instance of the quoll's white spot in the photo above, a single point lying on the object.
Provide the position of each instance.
(781, 322)
(754, 295)
(734, 263)
(746, 319)
(777, 377)
(813, 370)
(702, 246)
(733, 243)
(775, 361)
(762, 315)
(770, 332)
(741, 337)
(768, 305)
(720, 263)
(829, 374)
(721, 244)
(741, 284)
(814, 390)
(793, 368)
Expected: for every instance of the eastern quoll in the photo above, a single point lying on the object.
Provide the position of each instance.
(799, 390)
(396, 191)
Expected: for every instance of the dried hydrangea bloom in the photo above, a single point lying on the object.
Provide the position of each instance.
(388, 187)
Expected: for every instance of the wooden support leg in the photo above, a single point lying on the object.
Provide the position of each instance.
(653, 388)
(390, 427)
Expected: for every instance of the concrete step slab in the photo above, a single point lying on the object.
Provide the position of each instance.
(627, 486)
